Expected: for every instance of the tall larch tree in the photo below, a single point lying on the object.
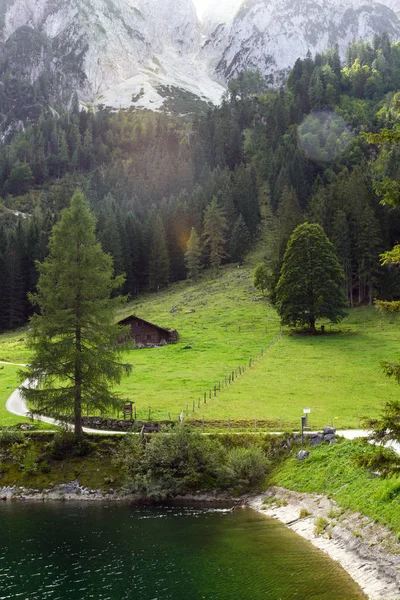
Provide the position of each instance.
(74, 337)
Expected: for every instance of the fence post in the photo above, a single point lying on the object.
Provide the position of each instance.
(134, 410)
(219, 386)
(215, 390)
(209, 394)
(169, 416)
(205, 398)
(149, 412)
(199, 403)
(233, 375)
(194, 406)
(187, 410)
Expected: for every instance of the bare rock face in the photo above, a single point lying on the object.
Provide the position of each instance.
(270, 35)
(115, 52)
(148, 53)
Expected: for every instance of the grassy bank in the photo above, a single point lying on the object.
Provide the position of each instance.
(179, 461)
(28, 463)
(330, 470)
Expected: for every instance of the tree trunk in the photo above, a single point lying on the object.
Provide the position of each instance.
(312, 325)
(78, 384)
(78, 417)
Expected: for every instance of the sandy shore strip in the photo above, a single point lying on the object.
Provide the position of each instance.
(367, 551)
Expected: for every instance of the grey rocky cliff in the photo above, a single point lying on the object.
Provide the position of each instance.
(124, 53)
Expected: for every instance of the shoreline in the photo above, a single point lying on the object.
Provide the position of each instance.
(368, 552)
(359, 545)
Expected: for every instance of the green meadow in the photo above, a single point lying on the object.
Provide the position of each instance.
(223, 323)
(338, 376)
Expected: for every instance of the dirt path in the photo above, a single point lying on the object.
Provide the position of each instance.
(17, 406)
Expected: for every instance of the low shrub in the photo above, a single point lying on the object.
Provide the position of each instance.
(25, 456)
(335, 513)
(66, 443)
(275, 501)
(320, 524)
(304, 513)
(242, 468)
(182, 460)
(10, 436)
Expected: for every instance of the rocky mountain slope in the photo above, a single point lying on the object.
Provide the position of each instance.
(146, 53)
(270, 36)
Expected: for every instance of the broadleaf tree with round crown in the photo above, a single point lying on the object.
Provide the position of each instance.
(311, 283)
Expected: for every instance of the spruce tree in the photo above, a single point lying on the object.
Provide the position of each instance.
(214, 234)
(311, 282)
(193, 255)
(74, 338)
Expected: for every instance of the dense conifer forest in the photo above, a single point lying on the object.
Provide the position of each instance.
(258, 165)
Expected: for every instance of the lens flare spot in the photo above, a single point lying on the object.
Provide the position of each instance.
(324, 135)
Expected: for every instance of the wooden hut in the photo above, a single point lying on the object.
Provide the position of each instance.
(145, 333)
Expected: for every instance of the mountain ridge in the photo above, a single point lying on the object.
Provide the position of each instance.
(139, 53)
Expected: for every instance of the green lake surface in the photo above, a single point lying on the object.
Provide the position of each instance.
(80, 552)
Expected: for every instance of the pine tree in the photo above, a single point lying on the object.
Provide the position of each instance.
(261, 277)
(159, 257)
(133, 237)
(342, 242)
(240, 240)
(193, 255)
(214, 234)
(245, 195)
(74, 337)
(311, 282)
(289, 216)
(368, 244)
(108, 233)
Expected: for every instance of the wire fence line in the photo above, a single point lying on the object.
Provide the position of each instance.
(229, 379)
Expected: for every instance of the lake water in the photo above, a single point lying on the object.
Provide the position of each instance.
(80, 552)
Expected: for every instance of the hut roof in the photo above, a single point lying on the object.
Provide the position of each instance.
(128, 319)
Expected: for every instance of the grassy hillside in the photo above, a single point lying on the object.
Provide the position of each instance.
(222, 325)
